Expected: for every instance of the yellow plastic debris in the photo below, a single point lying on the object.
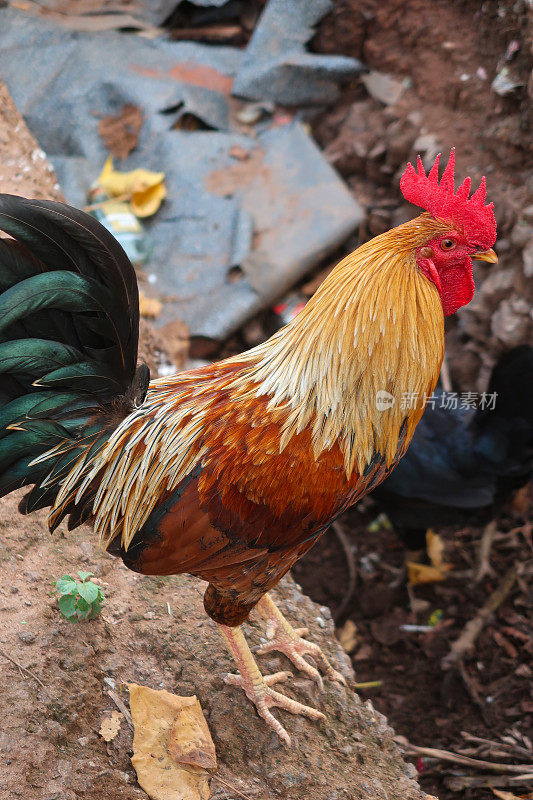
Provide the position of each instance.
(144, 190)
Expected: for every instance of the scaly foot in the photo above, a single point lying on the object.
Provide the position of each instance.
(288, 640)
(257, 686)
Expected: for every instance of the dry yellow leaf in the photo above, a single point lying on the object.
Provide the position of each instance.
(144, 189)
(348, 636)
(149, 306)
(190, 741)
(145, 202)
(167, 726)
(110, 726)
(435, 548)
(423, 573)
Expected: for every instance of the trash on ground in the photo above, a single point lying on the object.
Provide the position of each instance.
(276, 65)
(143, 189)
(246, 215)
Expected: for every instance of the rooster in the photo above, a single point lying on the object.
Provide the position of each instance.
(232, 471)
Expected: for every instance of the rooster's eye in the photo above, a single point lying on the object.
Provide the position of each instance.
(448, 244)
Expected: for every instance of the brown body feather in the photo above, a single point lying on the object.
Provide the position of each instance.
(232, 471)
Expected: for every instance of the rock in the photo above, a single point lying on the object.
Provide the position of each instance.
(383, 87)
(87, 549)
(497, 286)
(505, 82)
(527, 260)
(428, 146)
(522, 233)
(27, 637)
(511, 322)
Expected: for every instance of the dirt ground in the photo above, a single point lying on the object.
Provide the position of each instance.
(445, 55)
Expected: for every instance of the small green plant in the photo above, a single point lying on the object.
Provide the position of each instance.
(81, 599)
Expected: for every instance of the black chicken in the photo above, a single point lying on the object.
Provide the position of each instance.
(464, 464)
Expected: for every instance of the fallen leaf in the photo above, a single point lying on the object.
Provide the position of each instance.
(190, 741)
(424, 573)
(110, 726)
(146, 201)
(149, 307)
(435, 548)
(144, 189)
(348, 636)
(168, 727)
(120, 133)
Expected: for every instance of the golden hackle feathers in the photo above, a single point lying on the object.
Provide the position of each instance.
(375, 324)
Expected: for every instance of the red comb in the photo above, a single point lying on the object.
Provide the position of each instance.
(472, 215)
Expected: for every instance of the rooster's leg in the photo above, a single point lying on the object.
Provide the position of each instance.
(288, 640)
(257, 686)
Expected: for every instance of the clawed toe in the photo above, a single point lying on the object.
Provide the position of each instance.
(281, 636)
(264, 698)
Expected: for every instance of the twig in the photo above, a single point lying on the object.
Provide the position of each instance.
(121, 705)
(230, 786)
(119, 198)
(484, 568)
(474, 626)
(516, 748)
(474, 694)
(454, 758)
(367, 685)
(212, 32)
(352, 574)
(26, 670)
(458, 783)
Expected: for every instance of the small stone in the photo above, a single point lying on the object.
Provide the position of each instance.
(527, 258)
(87, 549)
(383, 87)
(497, 285)
(522, 234)
(27, 637)
(110, 682)
(510, 322)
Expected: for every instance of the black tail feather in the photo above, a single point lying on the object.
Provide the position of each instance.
(69, 318)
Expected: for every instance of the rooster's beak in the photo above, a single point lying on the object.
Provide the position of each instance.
(486, 255)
